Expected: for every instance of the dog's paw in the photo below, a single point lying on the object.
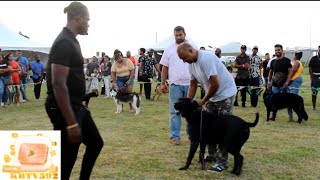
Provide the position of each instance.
(183, 168)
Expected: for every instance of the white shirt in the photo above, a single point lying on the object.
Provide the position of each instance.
(208, 64)
(178, 73)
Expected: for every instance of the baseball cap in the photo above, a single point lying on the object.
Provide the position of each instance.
(255, 47)
(243, 47)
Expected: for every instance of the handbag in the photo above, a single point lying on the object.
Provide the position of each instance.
(7, 80)
(278, 77)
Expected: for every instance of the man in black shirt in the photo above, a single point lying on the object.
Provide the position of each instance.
(280, 64)
(66, 87)
(242, 62)
(314, 71)
(265, 68)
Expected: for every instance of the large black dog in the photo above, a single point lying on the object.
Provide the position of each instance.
(228, 131)
(281, 100)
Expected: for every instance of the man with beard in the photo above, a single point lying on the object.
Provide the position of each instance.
(279, 65)
(179, 78)
(66, 88)
(37, 76)
(217, 52)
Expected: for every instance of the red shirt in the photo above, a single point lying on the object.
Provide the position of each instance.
(133, 60)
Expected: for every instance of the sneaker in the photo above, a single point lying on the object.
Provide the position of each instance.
(2, 104)
(23, 100)
(313, 109)
(175, 142)
(217, 168)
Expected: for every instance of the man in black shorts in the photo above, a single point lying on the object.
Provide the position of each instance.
(66, 87)
(314, 71)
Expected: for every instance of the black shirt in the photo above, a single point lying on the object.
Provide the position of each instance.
(66, 51)
(265, 70)
(242, 73)
(314, 64)
(280, 65)
(4, 65)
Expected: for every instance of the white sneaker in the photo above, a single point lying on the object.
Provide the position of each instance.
(23, 101)
(2, 104)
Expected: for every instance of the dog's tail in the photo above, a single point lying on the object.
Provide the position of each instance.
(255, 121)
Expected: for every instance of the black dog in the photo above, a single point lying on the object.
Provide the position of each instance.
(228, 131)
(281, 100)
(86, 98)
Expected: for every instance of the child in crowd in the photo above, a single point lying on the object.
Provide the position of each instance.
(96, 77)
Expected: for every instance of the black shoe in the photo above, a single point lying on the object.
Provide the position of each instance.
(243, 105)
(210, 159)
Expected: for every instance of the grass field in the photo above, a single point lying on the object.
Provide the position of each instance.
(138, 147)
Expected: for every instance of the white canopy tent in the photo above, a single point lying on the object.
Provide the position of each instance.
(233, 49)
(11, 41)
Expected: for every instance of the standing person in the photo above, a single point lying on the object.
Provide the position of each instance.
(242, 62)
(296, 79)
(15, 86)
(5, 78)
(37, 76)
(206, 69)
(265, 69)
(147, 65)
(254, 75)
(95, 76)
(280, 71)
(105, 68)
(25, 66)
(179, 78)
(217, 52)
(314, 72)
(89, 70)
(66, 87)
(142, 52)
(132, 59)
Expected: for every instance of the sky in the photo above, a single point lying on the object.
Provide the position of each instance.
(129, 25)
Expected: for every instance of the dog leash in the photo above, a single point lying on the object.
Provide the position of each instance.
(201, 153)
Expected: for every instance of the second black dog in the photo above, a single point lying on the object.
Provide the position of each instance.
(281, 100)
(86, 98)
(228, 131)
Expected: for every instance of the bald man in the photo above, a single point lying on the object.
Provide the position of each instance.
(217, 52)
(206, 69)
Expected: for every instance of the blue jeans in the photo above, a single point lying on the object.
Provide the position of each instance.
(296, 83)
(23, 86)
(2, 89)
(255, 91)
(176, 92)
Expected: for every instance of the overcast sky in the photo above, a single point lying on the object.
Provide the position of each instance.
(131, 25)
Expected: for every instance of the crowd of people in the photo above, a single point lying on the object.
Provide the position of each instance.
(16, 74)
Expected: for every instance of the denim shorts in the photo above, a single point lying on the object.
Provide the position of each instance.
(121, 81)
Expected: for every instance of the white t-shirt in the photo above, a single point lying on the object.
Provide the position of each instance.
(208, 64)
(178, 70)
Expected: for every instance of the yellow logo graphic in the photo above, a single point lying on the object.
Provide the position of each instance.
(30, 155)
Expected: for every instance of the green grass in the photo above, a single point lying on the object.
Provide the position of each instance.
(138, 147)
